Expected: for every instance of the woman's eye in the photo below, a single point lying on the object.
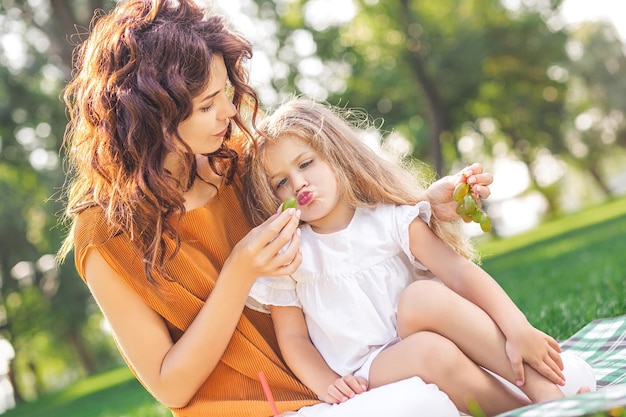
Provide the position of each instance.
(207, 108)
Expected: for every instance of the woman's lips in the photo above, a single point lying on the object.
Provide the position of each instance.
(222, 133)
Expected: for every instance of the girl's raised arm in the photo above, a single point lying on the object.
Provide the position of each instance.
(524, 343)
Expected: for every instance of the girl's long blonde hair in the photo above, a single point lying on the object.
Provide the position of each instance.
(365, 178)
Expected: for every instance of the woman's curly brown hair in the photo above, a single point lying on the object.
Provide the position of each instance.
(133, 82)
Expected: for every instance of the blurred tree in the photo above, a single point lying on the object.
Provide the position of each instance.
(432, 70)
(521, 97)
(43, 307)
(597, 103)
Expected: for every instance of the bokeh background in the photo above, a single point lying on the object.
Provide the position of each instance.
(533, 89)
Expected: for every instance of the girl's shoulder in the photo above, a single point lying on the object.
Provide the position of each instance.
(394, 211)
(392, 218)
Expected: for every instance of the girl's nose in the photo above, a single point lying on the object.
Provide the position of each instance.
(299, 182)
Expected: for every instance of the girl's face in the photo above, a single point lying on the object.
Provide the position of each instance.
(205, 129)
(295, 169)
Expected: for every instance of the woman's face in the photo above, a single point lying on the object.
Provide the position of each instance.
(204, 130)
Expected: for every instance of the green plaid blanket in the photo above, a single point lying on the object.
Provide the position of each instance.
(602, 343)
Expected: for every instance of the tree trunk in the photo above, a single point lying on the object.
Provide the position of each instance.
(67, 26)
(436, 110)
(594, 171)
(16, 389)
(85, 359)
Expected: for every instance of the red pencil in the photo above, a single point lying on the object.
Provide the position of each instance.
(268, 394)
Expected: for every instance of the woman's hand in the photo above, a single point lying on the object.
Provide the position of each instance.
(270, 249)
(345, 388)
(538, 350)
(440, 192)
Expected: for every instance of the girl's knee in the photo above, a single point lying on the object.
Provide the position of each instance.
(436, 355)
(419, 306)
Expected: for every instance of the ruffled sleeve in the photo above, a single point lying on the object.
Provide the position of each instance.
(404, 216)
(276, 291)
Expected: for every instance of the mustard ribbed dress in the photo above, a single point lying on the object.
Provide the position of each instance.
(208, 234)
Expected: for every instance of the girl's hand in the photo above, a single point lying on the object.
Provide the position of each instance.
(440, 192)
(345, 388)
(538, 350)
(270, 249)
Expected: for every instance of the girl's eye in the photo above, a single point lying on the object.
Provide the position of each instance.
(281, 183)
(306, 164)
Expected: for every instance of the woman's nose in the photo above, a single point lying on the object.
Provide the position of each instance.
(227, 109)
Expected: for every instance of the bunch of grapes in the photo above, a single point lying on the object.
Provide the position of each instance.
(467, 207)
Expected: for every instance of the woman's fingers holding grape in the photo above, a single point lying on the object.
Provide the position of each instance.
(289, 257)
(469, 203)
(480, 185)
(474, 169)
(270, 248)
(283, 229)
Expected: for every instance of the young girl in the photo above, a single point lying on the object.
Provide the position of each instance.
(365, 298)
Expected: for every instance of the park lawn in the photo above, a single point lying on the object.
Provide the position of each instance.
(566, 272)
(562, 274)
(115, 393)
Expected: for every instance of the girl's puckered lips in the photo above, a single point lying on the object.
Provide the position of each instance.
(304, 198)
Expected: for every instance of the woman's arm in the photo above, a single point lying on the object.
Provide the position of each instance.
(173, 372)
(305, 360)
(440, 192)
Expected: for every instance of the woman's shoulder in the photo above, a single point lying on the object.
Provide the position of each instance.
(91, 228)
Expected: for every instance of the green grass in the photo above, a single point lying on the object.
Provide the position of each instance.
(567, 272)
(115, 393)
(562, 274)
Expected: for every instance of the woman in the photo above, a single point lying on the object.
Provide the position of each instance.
(158, 228)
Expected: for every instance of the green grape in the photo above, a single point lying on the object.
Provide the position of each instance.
(290, 202)
(460, 191)
(469, 204)
(468, 209)
(485, 222)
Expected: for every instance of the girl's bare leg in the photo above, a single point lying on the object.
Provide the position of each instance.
(431, 306)
(438, 360)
